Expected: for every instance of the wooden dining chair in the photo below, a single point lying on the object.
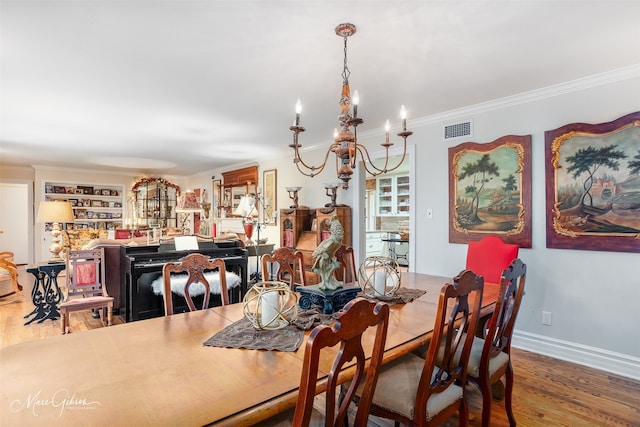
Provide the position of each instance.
(85, 286)
(489, 256)
(289, 267)
(9, 272)
(351, 323)
(490, 357)
(195, 265)
(426, 392)
(348, 273)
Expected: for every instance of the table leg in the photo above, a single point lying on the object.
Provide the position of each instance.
(37, 297)
(53, 296)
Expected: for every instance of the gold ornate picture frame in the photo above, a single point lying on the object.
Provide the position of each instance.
(490, 190)
(593, 185)
(270, 182)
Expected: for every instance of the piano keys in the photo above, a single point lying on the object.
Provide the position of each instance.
(143, 264)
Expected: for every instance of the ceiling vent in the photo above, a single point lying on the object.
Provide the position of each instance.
(458, 130)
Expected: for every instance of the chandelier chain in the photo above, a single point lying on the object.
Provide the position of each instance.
(345, 72)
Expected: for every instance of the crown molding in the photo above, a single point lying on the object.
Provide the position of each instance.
(596, 80)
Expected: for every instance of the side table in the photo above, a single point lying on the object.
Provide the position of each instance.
(46, 293)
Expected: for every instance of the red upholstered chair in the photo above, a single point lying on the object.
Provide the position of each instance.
(85, 280)
(489, 256)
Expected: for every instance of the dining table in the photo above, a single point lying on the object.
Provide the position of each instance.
(158, 372)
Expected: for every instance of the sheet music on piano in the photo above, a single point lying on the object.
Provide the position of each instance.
(186, 243)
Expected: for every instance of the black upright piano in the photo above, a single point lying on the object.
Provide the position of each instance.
(141, 265)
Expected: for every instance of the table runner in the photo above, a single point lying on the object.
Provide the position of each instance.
(242, 334)
(402, 296)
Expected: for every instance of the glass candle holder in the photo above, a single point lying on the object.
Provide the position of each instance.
(270, 305)
(379, 276)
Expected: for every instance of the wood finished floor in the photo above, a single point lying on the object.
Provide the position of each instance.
(548, 392)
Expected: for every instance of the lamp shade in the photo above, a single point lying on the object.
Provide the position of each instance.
(53, 211)
(188, 202)
(245, 207)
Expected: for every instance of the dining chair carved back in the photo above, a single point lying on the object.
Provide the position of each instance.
(418, 391)
(9, 272)
(490, 357)
(288, 265)
(195, 265)
(351, 323)
(348, 273)
(489, 256)
(85, 286)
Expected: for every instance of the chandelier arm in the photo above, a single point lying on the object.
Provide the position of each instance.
(366, 159)
(377, 170)
(314, 169)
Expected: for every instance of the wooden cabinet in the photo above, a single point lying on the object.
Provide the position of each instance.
(236, 184)
(155, 203)
(303, 229)
(292, 223)
(97, 206)
(374, 243)
(392, 195)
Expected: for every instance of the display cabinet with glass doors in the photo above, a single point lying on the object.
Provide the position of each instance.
(155, 203)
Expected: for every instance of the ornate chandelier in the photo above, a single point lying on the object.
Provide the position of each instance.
(345, 145)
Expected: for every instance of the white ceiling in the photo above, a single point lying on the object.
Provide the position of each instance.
(181, 87)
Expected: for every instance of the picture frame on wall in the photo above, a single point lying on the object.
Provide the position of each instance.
(217, 197)
(270, 182)
(593, 185)
(490, 190)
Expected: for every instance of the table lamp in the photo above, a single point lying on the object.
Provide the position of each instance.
(55, 212)
(187, 203)
(244, 209)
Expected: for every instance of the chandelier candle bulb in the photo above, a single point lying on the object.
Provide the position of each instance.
(387, 127)
(298, 111)
(403, 116)
(356, 101)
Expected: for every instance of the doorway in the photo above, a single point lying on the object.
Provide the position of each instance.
(16, 217)
(391, 217)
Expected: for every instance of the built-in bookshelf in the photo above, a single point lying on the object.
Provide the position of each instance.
(94, 205)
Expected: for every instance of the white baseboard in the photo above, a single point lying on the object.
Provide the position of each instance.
(593, 357)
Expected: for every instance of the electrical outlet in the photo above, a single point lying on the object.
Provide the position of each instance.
(429, 213)
(546, 318)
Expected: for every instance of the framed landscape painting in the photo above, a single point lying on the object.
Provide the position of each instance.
(593, 185)
(490, 190)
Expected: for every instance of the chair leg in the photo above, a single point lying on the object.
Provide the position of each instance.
(109, 316)
(63, 322)
(463, 412)
(509, 394)
(485, 390)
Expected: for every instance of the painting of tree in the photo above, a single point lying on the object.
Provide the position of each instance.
(490, 190)
(593, 185)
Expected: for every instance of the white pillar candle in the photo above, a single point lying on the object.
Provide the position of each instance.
(269, 307)
(380, 282)
(392, 280)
